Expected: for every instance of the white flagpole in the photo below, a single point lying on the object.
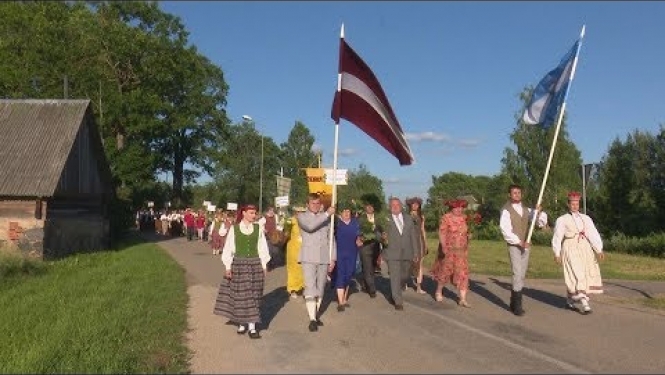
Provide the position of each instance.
(556, 135)
(334, 187)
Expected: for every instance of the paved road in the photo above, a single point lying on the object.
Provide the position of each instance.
(427, 337)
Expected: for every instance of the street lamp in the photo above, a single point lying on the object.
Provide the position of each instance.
(249, 118)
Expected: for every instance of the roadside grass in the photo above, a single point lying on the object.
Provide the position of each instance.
(491, 258)
(121, 311)
(657, 302)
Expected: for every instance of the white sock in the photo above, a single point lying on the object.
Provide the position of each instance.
(318, 303)
(252, 326)
(241, 328)
(310, 303)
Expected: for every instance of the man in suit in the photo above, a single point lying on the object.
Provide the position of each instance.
(316, 257)
(400, 244)
(369, 251)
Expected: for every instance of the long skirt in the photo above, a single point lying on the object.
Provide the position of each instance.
(345, 267)
(295, 281)
(454, 268)
(239, 298)
(581, 272)
(216, 242)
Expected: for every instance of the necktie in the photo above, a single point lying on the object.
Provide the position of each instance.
(400, 224)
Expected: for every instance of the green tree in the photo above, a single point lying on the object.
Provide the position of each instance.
(296, 154)
(526, 163)
(237, 165)
(362, 186)
(452, 185)
(629, 189)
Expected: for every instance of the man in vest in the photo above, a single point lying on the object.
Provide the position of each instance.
(514, 222)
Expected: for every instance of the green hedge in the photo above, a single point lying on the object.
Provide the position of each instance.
(652, 245)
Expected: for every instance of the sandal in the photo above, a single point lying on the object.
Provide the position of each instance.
(463, 303)
(438, 297)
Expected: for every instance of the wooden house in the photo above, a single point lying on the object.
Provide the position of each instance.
(55, 181)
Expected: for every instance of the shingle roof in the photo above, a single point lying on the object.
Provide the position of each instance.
(36, 137)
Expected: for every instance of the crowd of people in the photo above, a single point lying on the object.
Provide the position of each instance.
(394, 245)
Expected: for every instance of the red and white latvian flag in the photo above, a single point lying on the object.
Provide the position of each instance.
(360, 100)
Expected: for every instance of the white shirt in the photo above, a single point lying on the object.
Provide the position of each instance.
(399, 220)
(582, 223)
(230, 245)
(507, 226)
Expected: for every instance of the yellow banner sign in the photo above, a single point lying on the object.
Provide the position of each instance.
(317, 184)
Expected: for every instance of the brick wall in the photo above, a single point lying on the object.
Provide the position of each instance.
(17, 219)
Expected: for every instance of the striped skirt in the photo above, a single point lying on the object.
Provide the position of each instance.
(238, 299)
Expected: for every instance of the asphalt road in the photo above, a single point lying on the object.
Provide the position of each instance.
(619, 336)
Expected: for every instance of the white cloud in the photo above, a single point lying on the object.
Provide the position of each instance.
(469, 143)
(392, 180)
(427, 137)
(347, 152)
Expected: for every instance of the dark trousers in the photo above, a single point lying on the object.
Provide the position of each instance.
(400, 272)
(190, 232)
(368, 257)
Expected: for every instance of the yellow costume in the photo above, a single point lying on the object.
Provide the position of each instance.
(294, 278)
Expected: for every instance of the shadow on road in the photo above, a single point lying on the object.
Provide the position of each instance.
(271, 304)
(539, 295)
(643, 293)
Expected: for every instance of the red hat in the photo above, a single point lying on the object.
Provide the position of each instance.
(243, 209)
(454, 203)
(574, 196)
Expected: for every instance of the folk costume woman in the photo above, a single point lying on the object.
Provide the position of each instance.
(415, 208)
(576, 244)
(295, 282)
(452, 265)
(245, 257)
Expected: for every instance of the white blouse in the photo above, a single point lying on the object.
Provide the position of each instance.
(230, 245)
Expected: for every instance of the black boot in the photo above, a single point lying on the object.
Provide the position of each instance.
(517, 304)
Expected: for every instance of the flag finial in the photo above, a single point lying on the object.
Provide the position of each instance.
(341, 34)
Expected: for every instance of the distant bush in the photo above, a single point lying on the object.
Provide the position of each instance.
(652, 245)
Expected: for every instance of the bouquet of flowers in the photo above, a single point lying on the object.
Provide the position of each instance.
(288, 224)
(367, 231)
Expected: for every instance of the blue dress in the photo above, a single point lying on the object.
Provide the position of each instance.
(347, 252)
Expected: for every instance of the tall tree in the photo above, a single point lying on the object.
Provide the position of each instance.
(525, 164)
(237, 165)
(629, 188)
(296, 154)
(362, 185)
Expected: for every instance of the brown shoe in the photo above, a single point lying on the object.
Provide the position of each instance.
(399, 307)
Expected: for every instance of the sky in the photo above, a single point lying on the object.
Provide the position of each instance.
(452, 72)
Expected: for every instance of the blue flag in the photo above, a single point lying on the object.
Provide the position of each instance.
(551, 92)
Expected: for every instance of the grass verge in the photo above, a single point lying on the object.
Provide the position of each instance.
(491, 258)
(122, 311)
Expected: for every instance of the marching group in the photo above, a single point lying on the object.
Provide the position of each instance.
(394, 245)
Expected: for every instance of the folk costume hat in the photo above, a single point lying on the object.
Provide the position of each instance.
(244, 208)
(574, 196)
(454, 203)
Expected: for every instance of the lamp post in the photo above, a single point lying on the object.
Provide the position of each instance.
(249, 118)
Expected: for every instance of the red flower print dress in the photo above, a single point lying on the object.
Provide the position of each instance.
(454, 267)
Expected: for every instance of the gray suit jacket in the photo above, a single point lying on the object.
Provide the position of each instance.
(315, 233)
(401, 246)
